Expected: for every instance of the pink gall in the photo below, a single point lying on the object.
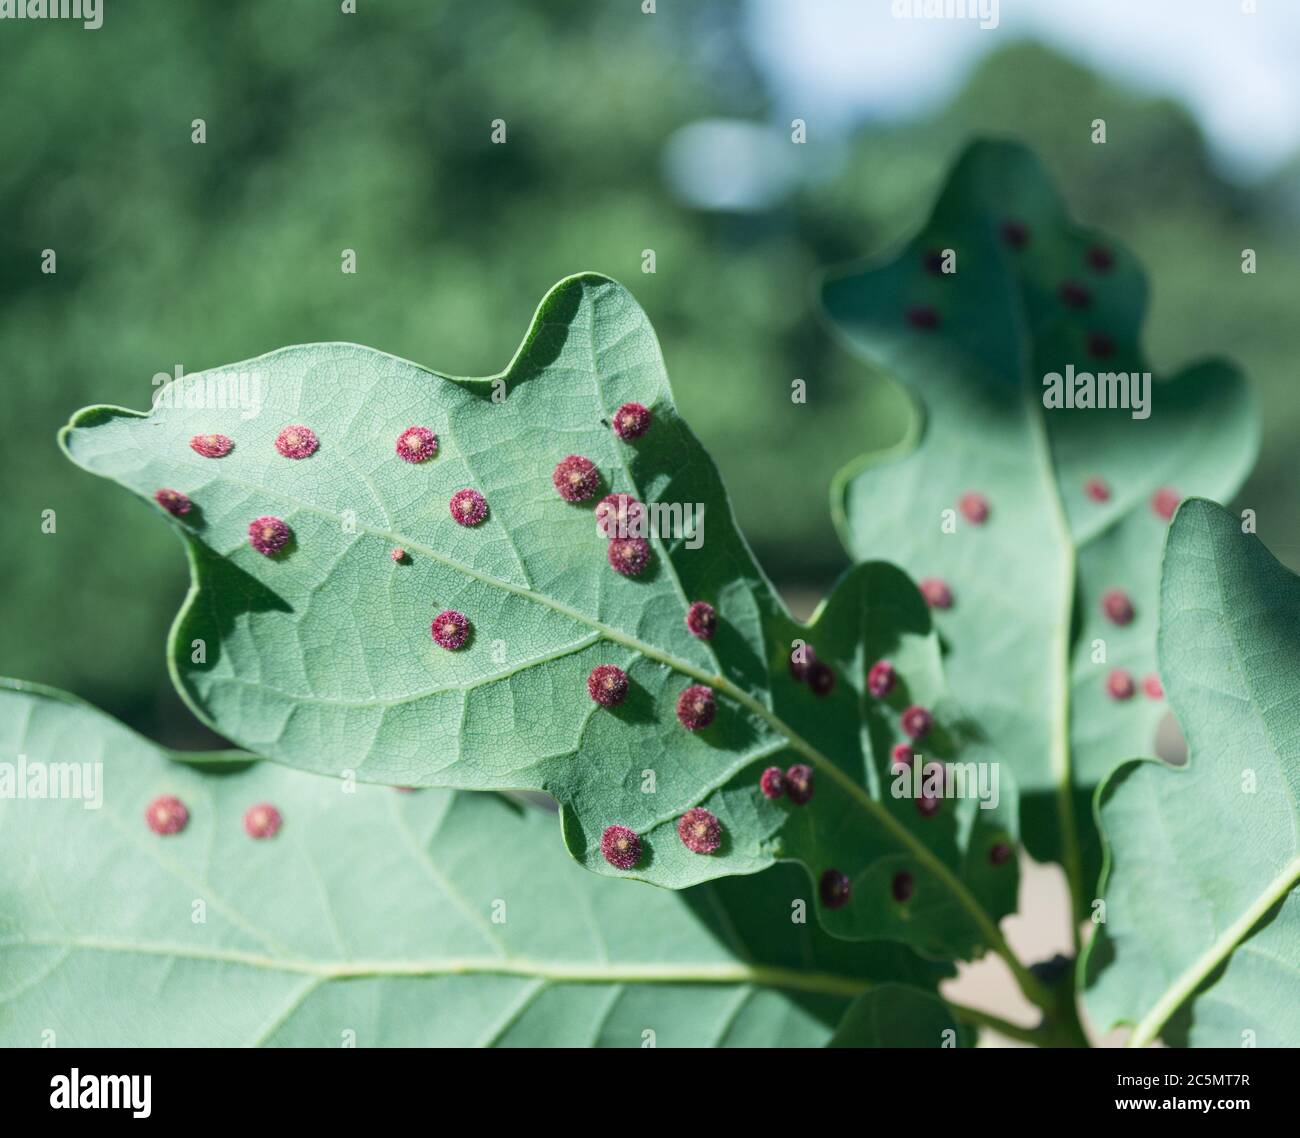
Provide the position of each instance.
(881, 679)
(974, 508)
(772, 782)
(802, 659)
(416, 444)
(936, 592)
(999, 853)
(835, 889)
(297, 441)
(1152, 687)
(927, 805)
(268, 535)
(1117, 607)
(398, 555)
(1015, 233)
(821, 678)
(1097, 490)
(468, 507)
(700, 831)
(702, 620)
(620, 515)
(212, 446)
(1074, 295)
(173, 501)
(631, 421)
(1164, 503)
(629, 555)
(916, 722)
(1100, 259)
(262, 821)
(1119, 684)
(450, 629)
(166, 814)
(607, 685)
(901, 757)
(799, 784)
(575, 478)
(696, 708)
(620, 847)
(1100, 346)
(923, 317)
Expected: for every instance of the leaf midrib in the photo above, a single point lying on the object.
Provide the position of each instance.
(557, 972)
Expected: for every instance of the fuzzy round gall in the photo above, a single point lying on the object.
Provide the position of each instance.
(268, 535)
(166, 814)
(628, 555)
(297, 441)
(173, 501)
(1015, 233)
(801, 661)
(1100, 346)
(1152, 687)
(1117, 607)
(916, 722)
(450, 629)
(835, 889)
(821, 678)
(900, 758)
(881, 678)
(1074, 295)
(974, 507)
(901, 887)
(936, 592)
(212, 446)
(575, 478)
(1100, 259)
(702, 620)
(607, 685)
(927, 805)
(799, 784)
(1119, 684)
(398, 555)
(620, 515)
(468, 507)
(620, 847)
(772, 782)
(416, 444)
(696, 708)
(923, 317)
(631, 421)
(262, 821)
(700, 831)
(1097, 490)
(1164, 502)
(999, 853)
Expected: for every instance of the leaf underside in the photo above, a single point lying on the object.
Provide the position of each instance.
(1201, 942)
(1032, 293)
(374, 918)
(321, 658)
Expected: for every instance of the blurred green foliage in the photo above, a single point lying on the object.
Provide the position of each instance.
(371, 132)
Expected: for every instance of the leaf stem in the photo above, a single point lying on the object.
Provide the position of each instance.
(976, 1018)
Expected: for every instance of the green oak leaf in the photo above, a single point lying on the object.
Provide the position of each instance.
(321, 658)
(899, 1015)
(1032, 293)
(373, 917)
(1201, 941)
